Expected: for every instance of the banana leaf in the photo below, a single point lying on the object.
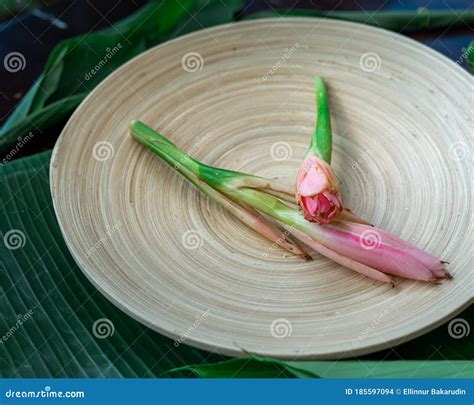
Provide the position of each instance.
(260, 367)
(400, 21)
(49, 308)
(470, 56)
(14, 7)
(77, 65)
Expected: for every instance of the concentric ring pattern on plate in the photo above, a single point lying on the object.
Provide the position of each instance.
(241, 97)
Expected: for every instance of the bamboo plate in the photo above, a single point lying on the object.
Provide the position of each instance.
(241, 96)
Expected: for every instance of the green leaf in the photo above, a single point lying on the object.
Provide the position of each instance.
(259, 367)
(15, 7)
(247, 367)
(470, 56)
(42, 118)
(401, 21)
(77, 65)
(57, 340)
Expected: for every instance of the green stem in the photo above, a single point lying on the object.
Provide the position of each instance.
(178, 160)
(213, 176)
(269, 205)
(198, 172)
(321, 142)
(164, 148)
(167, 150)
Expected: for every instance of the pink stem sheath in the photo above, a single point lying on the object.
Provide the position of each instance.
(342, 260)
(385, 252)
(366, 245)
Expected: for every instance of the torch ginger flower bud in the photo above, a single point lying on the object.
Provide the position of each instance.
(317, 191)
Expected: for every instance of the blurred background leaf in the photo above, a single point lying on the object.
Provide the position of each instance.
(260, 367)
(9, 8)
(78, 64)
(400, 21)
(71, 70)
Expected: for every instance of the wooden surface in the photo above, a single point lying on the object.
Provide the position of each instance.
(241, 97)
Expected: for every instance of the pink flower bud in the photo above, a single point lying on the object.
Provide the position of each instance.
(317, 191)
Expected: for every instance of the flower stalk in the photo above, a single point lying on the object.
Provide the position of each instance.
(321, 142)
